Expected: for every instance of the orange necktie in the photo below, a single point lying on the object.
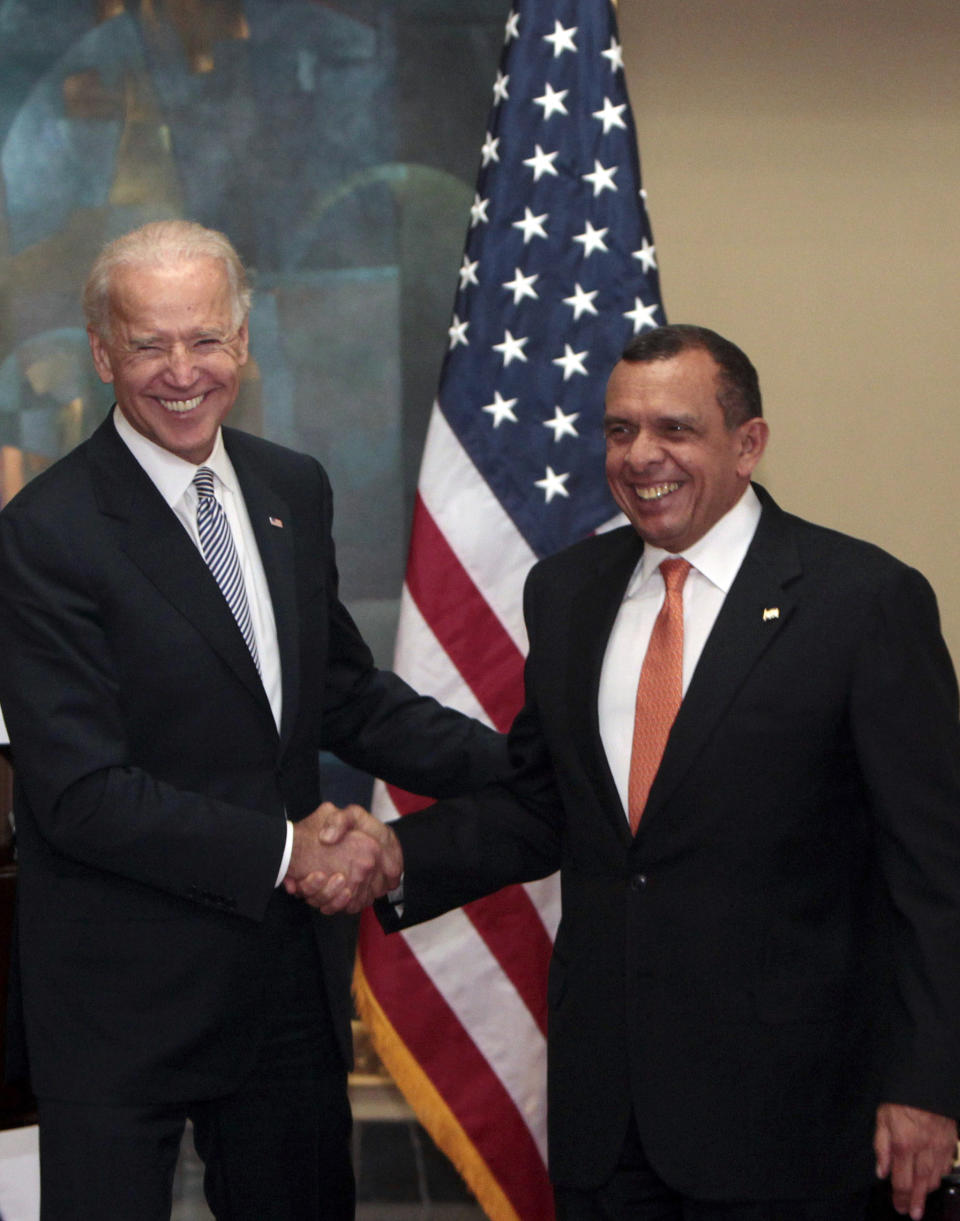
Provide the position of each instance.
(659, 690)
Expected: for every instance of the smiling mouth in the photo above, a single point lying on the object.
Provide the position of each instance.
(180, 406)
(657, 492)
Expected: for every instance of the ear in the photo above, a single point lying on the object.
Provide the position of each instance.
(101, 357)
(753, 434)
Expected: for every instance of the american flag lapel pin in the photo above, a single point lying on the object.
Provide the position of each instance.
(275, 521)
(771, 612)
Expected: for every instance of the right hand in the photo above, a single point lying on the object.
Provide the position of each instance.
(342, 859)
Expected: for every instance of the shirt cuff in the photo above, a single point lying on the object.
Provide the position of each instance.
(287, 853)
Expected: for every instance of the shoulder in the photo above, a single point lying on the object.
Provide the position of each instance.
(829, 558)
(269, 456)
(590, 560)
(63, 487)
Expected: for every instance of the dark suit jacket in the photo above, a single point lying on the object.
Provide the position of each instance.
(151, 779)
(775, 952)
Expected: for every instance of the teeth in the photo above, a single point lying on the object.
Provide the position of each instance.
(654, 493)
(180, 405)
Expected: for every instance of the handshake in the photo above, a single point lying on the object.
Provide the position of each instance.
(342, 859)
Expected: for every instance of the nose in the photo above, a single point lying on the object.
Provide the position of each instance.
(645, 450)
(181, 367)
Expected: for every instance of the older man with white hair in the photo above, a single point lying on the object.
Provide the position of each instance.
(175, 657)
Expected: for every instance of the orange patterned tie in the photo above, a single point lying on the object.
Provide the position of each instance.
(659, 690)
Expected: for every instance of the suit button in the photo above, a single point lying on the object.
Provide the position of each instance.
(638, 881)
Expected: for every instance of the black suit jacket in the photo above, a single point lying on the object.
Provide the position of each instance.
(152, 782)
(774, 953)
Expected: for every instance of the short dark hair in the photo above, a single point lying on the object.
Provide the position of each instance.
(738, 391)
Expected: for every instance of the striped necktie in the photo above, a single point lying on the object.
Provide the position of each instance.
(216, 542)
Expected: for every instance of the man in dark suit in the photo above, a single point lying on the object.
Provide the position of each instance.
(175, 657)
(760, 981)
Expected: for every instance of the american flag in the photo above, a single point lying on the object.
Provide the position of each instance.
(558, 272)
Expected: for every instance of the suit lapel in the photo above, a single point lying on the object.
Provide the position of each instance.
(273, 525)
(155, 541)
(593, 611)
(754, 613)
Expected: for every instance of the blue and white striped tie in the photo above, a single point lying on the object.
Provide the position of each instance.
(221, 555)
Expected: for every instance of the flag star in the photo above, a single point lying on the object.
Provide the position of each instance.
(641, 315)
(468, 272)
(571, 362)
(457, 331)
(581, 302)
(561, 424)
(532, 226)
(522, 286)
(501, 409)
(500, 88)
(489, 148)
(478, 211)
(552, 484)
(511, 349)
(602, 178)
(542, 163)
(512, 30)
(552, 101)
(647, 254)
(562, 39)
(610, 116)
(592, 239)
(615, 54)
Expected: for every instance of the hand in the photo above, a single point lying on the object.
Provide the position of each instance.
(342, 859)
(915, 1148)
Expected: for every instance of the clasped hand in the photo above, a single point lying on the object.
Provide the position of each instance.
(342, 859)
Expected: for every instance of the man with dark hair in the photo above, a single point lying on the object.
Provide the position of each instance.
(740, 746)
(175, 656)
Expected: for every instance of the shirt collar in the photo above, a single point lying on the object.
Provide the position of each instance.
(718, 555)
(171, 475)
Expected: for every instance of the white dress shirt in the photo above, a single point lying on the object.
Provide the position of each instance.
(715, 560)
(173, 479)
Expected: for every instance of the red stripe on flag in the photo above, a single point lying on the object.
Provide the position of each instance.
(463, 622)
(418, 1012)
(510, 926)
(513, 931)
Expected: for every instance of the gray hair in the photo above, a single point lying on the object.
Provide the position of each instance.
(162, 243)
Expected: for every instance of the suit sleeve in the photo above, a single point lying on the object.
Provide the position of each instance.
(376, 722)
(84, 797)
(905, 724)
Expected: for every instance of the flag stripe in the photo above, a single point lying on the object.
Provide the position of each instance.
(465, 627)
(494, 553)
(486, 1115)
(429, 668)
(510, 922)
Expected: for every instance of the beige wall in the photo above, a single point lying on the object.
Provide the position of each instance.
(802, 165)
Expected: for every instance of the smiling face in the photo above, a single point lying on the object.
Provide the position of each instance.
(174, 352)
(673, 466)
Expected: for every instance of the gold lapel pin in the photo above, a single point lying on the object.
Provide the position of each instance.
(275, 521)
(771, 612)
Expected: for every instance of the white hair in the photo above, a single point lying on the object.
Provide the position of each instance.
(162, 243)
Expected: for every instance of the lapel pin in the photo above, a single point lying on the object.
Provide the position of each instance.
(771, 612)
(275, 521)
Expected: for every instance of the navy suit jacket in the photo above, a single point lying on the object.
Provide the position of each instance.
(774, 953)
(151, 780)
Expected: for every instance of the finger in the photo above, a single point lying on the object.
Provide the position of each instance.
(335, 823)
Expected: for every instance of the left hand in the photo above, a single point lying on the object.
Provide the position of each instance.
(915, 1148)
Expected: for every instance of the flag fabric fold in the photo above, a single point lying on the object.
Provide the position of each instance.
(559, 271)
